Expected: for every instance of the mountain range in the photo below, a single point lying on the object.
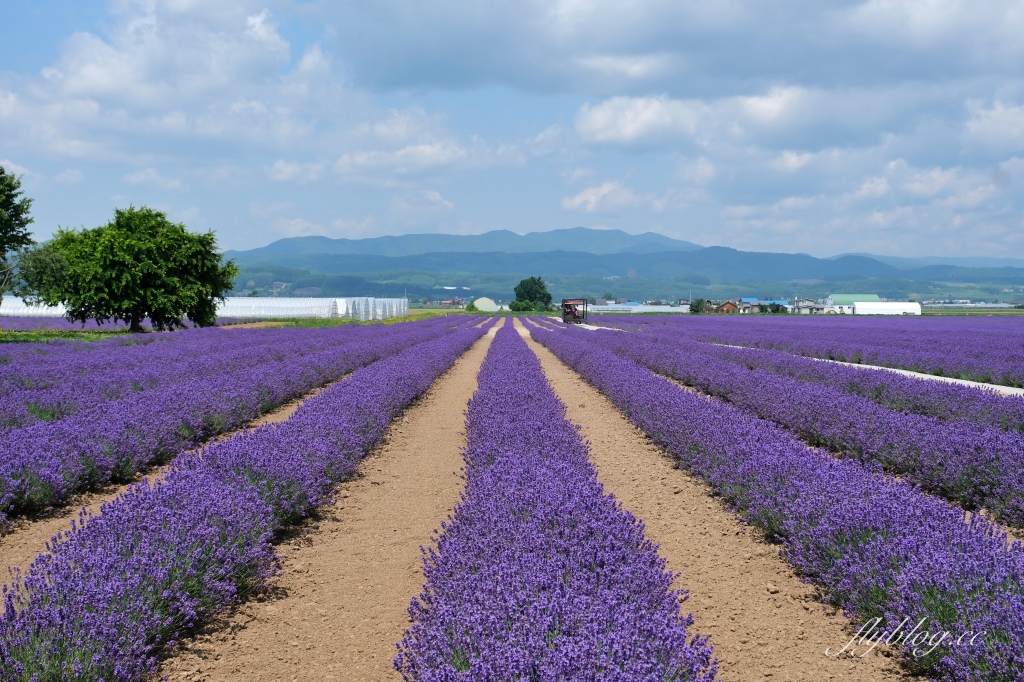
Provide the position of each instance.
(583, 258)
(572, 239)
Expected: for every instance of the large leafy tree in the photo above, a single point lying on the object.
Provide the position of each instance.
(14, 222)
(533, 290)
(137, 266)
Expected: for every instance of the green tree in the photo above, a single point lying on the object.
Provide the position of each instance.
(14, 222)
(697, 305)
(533, 290)
(137, 266)
(520, 306)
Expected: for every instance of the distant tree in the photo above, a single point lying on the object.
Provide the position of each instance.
(609, 297)
(697, 306)
(14, 222)
(520, 306)
(533, 290)
(541, 307)
(471, 307)
(137, 266)
(591, 300)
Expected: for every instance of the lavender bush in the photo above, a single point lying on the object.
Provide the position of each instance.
(904, 394)
(876, 547)
(978, 467)
(44, 462)
(987, 349)
(161, 558)
(539, 575)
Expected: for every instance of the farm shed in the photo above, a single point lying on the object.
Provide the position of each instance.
(886, 308)
(727, 308)
(843, 303)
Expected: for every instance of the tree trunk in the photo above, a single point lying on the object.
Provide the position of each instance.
(136, 324)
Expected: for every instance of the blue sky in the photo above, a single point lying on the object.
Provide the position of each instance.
(888, 126)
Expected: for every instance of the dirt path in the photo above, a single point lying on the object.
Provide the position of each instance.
(341, 602)
(28, 537)
(763, 622)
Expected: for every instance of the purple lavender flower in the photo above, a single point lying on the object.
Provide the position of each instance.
(539, 575)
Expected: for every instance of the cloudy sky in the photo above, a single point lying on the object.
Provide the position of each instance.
(828, 126)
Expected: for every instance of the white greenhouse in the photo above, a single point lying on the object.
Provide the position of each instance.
(886, 308)
(260, 308)
(15, 307)
(357, 308)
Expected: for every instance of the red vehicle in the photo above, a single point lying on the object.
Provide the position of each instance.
(574, 310)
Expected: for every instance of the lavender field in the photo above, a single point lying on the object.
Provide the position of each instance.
(895, 499)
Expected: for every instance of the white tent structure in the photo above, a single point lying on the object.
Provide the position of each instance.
(886, 308)
(11, 306)
(362, 308)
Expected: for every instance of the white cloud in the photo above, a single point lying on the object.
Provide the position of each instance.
(790, 161)
(578, 173)
(285, 171)
(629, 119)
(698, 171)
(69, 176)
(407, 159)
(643, 66)
(151, 178)
(13, 168)
(260, 27)
(608, 195)
(1000, 126)
(777, 104)
(435, 198)
(872, 189)
(297, 227)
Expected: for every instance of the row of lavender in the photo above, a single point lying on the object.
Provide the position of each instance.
(989, 349)
(162, 558)
(942, 400)
(43, 463)
(977, 466)
(539, 575)
(877, 547)
(45, 382)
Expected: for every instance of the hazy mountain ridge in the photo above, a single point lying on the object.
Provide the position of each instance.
(716, 263)
(571, 239)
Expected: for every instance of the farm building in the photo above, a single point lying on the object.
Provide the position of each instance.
(486, 305)
(727, 308)
(886, 308)
(843, 303)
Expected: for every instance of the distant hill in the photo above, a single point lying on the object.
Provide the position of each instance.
(718, 263)
(573, 239)
(594, 262)
(960, 261)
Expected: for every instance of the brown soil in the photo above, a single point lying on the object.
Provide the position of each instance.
(340, 606)
(26, 538)
(764, 623)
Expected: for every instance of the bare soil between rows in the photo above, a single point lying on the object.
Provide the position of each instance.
(340, 605)
(763, 622)
(27, 537)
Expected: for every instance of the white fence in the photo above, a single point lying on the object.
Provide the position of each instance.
(362, 308)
